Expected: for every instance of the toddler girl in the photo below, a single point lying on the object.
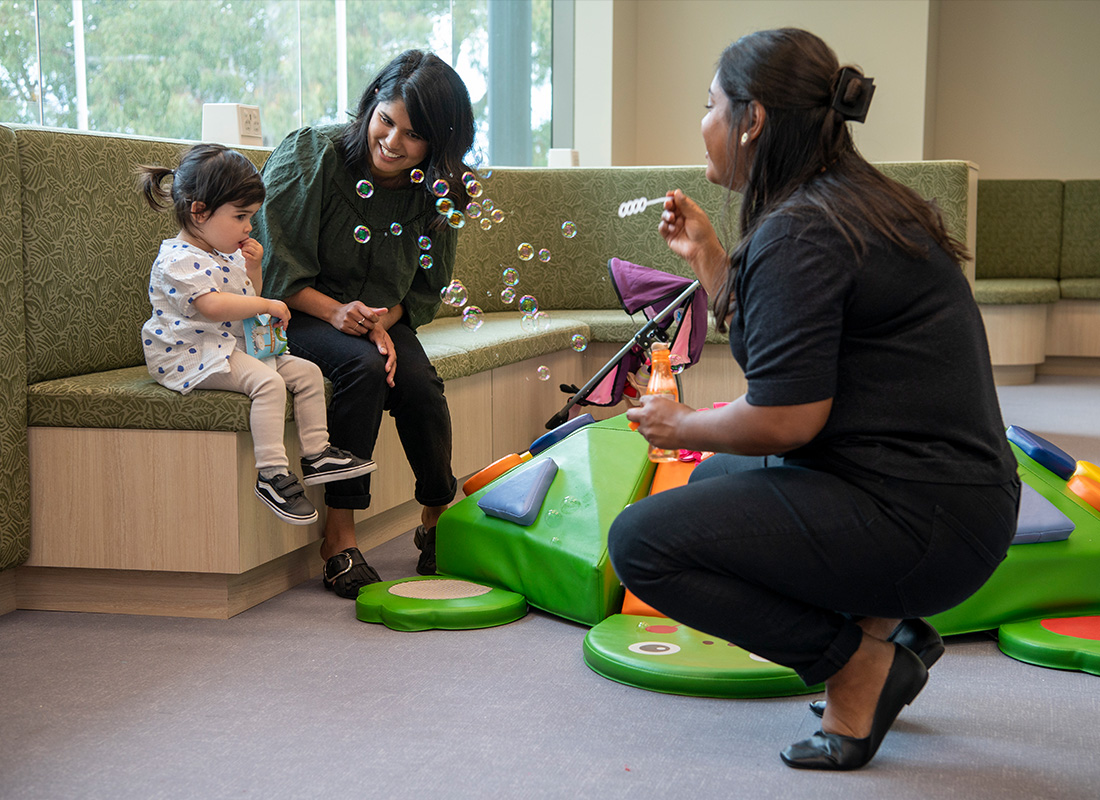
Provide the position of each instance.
(204, 282)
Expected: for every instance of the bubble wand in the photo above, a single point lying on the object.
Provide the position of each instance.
(638, 206)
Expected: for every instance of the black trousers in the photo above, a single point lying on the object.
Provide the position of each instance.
(360, 395)
(782, 559)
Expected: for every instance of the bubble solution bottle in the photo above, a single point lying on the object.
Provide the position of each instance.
(661, 381)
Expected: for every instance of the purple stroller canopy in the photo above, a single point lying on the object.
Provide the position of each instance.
(651, 291)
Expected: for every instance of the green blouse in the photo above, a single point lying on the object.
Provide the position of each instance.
(308, 224)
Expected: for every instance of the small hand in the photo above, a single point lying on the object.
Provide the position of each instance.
(279, 313)
(658, 418)
(253, 253)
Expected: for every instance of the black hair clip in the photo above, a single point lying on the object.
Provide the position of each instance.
(856, 111)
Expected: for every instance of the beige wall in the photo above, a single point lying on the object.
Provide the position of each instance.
(670, 48)
(1012, 85)
(1018, 87)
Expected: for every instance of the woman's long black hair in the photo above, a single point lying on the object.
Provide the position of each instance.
(438, 105)
(804, 157)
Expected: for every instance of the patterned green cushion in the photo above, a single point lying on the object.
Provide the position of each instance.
(1015, 291)
(90, 241)
(1081, 231)
(14, 469)
(1080, 288)
(456, 352)
(946, 182)
(1019, 229)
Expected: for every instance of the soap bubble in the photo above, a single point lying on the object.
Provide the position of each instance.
(472, 318)
(579, 342)
(455, 219)
(473, 210)
(525, 251)
(364, 189)
(528, 304)
(543, 373)
(497, 215)
(542, 321)
(569, 504)
(395, 229)
(553, 516)
(468, 176)
(440, 188)
(544, 255)
(417, 176)
(569, 229)
(474, 188)
(361, 234)
(510, 277)
(507, 294)
(527, 323)
(488, 205)
(454, 294)
(486, 223)
(445, 206)
(426, 261)
(424, 243)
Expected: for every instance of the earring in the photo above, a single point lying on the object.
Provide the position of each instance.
(744, 139)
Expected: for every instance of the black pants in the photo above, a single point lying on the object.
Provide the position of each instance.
(361, 394)
(782, 559)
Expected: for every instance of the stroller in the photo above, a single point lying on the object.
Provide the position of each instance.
(676, 310)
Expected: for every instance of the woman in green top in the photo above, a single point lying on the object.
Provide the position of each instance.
(354, 244)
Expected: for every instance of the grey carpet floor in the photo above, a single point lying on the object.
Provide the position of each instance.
(296, 698)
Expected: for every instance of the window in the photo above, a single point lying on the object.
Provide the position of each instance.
(147, 66)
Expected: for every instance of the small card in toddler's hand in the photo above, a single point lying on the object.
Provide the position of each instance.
(262, 339)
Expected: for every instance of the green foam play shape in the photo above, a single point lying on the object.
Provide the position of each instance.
(663, 656)
(559, 562)
(437, 602)
(1041, 579)
(1034, 643)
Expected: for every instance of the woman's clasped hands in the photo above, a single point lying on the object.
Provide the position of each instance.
(359, 319)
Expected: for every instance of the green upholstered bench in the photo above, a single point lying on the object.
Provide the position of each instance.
(14, 470)
(1073, 330)
(1017, 252)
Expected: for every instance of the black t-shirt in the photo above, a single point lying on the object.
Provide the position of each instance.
(897, 342)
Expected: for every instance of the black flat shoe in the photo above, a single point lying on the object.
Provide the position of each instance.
(914, 634)
(833, 751)
(347, 572)
(424, 539)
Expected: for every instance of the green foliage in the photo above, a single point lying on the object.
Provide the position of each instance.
(151, 64)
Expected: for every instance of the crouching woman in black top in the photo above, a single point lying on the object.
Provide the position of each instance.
(864, 480)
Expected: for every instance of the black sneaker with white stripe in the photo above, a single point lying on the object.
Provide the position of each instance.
(287, 499)
(334, 464)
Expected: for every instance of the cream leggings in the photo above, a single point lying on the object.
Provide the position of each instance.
(266, 383)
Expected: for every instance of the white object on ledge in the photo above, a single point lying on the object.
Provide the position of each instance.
(231, 123)
(558, 157)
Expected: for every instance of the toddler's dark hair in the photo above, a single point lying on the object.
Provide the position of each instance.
(212, 174)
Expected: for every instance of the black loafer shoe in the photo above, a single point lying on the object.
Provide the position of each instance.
(424, 539)
(914, 634)
(347, 572)
(833, 751)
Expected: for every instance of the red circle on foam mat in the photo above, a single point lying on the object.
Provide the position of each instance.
(1077, 627)
(661, 628)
